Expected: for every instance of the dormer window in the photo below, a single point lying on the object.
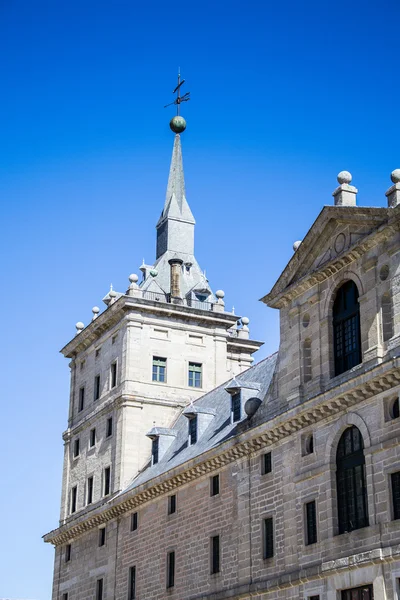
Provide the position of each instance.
(154, 450)
(193, 430)
(346, 328)
(236, 407)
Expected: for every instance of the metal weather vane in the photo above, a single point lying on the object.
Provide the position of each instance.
(179, 99)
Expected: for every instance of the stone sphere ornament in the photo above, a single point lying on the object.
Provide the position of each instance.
(296, 245)
(177, 124)
(133, 278)
(344, 177)
(251, 407)
(395, 176)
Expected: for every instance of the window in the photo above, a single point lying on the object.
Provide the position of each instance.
(107, 480)
(361, 593)
(132, 583)
(74, 494)
(134, 521)
(90, 490)
(172, 504)
(170, 569)
(102, 536)
(81, 399)
(308, 444)
(346, 328)
(65, 596)
(97, 387)
(83, 364)
(350, 477)
(311, 523)
(109, 427)
(307, 373)
(92, 438)
(99, 589)
(266, 463)
(193, 430)
(67, 552)
(236, 407)
(159, 369)
(395, 479)
(154, 450)
(98, 352)
(313, 598)
(195, 375)
(214, 485)
(76, 447)
(114, 339)
(394, 410)
(215, 554)
(268, 538)
(113, 375)
(387, 321)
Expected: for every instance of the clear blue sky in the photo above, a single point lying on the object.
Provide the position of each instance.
(284, 96)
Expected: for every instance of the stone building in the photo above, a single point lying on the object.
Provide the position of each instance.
(189, 474)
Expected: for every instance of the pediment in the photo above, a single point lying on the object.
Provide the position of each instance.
(335, 232)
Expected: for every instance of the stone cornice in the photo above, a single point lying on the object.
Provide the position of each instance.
(284, 292)
(378, 380)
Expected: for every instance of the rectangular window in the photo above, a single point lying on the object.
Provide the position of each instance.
(214, 485)
(107, 480)
(268, 538)
(74, 495)
(113, 375)
(102, 536)
(195, 375)
(97, 387)
(67, 552)
(114, 339)
(81, 398)
(154, 451)
(215, 554)
(98, 352)
(99, 589)
(65, 596)
(193, 430)
(90, 490)
(170, 569)
(360, 593)
(313, 598)
(92, 437)
(159, 369)
(76, 447)
(311, 523)
(236, 407)
(266, 463)
(134, 521)
(109, 427)
(132, 583)
(396, 494)
(172, 504)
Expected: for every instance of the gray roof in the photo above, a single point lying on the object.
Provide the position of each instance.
(219, 429)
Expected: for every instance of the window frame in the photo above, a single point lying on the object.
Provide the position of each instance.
(236, 407)
(193, 369)
(89, 490)
(266, 463)
(132, 583)
(395, 491)
(170, 569)
(102, 537)
(67, 556)
(159, 369)
(268, 538)
(193, 430)
(109, 427)
(155, 450)
(346, 321)
(311, 522)
(74, 499)
(214, 485)
(134, 521)
(76, 450)
(215, 551)
(81, 400)
(97, 387)
(107, 481)
(92, 437)
(113, 374)
(171, 504)
(100, 589)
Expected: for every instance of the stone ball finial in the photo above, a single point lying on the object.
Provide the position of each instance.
(296, 245)
(133, 278)
(79, 326)
(177, 124)
(395, 176)
(245, 320)
(112, 293)
(95, 310)
(251, 407)
(344, 177)
(220, 294)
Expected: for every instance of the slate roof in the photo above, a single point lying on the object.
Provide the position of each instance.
(220, 428)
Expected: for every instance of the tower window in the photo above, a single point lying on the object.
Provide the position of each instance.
(74, 495)
(361, 593)
(159, 369)
(266, 463)
(76, 448)
(97, 387)
(193, 430)
(132, 583)
(395, 479)
(214, 485)
(107, 481)
(195, 375)
(90, 490)
(387, 320)
(99, 589)
(65, 596)
(172, 504)
(311, 523)
(113, 375)
(307, 372)
(67, 552)
(134, 521)
(346, 328)
(394, 409)
(81, 399)
(102, 536)
(170, 569)
(268, 538)
(350, 477)
(109, 427)
(236, 407)
(154, 450)
(92, 437)
(215, 554)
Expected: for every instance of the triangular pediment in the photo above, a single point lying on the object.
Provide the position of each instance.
(334, 233)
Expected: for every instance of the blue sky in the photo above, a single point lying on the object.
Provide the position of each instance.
(284, 96)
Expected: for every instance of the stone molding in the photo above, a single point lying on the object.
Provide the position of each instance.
(382, 378)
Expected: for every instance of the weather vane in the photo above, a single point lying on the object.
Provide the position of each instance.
(178, 123)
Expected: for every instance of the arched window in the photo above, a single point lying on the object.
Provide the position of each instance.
(350, 478)
(346, 328)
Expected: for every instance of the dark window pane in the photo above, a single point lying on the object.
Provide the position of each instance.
(215, 554)
(364, 592)
(268, 538)
(171, 504)
(74, 493)
(193, 430)
(107, 480)
(170, 569)
(266, 463)
(134, 521)
(92, 437)
(154, 451)
(214, 485)
(113, 375)
(311, 516)
(109, 428)
(67, 552)
(350, 479)
(97, 387)
(132, 583)
(90, 490)
(81, 398)
(396, 494)
(99, 589)
(346, 326)
(236, 407)
(102, 536)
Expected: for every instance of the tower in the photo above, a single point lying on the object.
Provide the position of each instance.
(163, 343)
